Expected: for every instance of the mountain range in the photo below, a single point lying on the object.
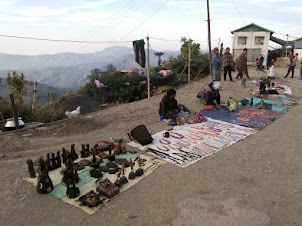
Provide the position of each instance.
(68, 71)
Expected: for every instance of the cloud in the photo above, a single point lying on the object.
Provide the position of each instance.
(40, 11)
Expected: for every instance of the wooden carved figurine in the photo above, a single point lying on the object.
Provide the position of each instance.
(73, 154)
(118, 182)
(139, 171)
(124, 178)
(132, 175)
(44, 183)
(48, 162)
(31, 169)
(70, 176)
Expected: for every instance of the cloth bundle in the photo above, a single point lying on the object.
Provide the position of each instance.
(199, 119)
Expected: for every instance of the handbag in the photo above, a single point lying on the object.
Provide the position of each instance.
(141, 135)
(106, 188)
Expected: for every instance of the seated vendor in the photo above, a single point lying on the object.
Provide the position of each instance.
(209, 94)
(168, 105)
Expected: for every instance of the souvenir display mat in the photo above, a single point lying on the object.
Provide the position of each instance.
(277, 106)
(247, 116)
(191, 142)
(87, 183)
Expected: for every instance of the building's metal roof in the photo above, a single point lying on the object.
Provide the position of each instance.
(251, 27)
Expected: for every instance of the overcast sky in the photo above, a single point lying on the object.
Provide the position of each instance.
(115, 20)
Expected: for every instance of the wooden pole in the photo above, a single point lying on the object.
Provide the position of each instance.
(14, 110)
(35, 97)
(221, 49)
(148, 68)
(189, 67)
(209, 38)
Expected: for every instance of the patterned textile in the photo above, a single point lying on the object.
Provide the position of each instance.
(241, 63)
(228, 60)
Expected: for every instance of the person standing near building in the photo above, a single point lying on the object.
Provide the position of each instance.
(291, 66)
(228, 64)
(301, 69)
(241, 64)
(216, 66)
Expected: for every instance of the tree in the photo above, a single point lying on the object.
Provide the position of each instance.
(159, 54)
(51, 97)
(199, 61)
(110, 68)
(16, 84)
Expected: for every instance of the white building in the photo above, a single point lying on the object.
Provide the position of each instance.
(253, 37)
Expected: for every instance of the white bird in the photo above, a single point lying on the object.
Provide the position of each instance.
(73, 114)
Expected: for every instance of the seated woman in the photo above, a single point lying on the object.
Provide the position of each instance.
(168, 106)
(209, 94)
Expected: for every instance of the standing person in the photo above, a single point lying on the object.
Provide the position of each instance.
(301, 69)
(241, 64)
(216, 66)
(291, 66)
(228, 63)
(260, 64)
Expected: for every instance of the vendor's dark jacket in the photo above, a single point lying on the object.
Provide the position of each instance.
(167, 104)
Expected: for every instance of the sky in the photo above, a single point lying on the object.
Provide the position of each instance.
(128, 20)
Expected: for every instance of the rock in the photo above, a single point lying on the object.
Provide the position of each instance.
(41, 128)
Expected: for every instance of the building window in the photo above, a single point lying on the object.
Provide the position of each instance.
(259, 40)
(242, 40)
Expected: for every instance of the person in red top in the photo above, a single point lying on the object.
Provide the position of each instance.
(292, 65)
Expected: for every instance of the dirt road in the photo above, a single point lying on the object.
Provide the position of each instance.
(257, 181)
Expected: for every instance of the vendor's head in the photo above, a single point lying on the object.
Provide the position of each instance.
(245, 50)
(216, 51)
(216, 86)
(171, 93)
(227, 50)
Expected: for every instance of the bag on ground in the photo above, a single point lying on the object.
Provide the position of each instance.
(141, 135)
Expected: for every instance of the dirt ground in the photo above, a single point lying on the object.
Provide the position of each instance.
(256, 181)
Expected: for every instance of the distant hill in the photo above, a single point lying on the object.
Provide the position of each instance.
(69, 70)
(43, 90)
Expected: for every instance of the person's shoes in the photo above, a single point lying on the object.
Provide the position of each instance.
(236, 78)
(285, 77)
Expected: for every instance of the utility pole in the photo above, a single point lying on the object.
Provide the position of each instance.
(221, 49)
(148, 68)
(209, 38)
(286, 45)
(189, 68)
(35, 97)
(15, 112)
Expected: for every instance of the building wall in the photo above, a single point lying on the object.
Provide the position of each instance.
(250, 44)
(299, 51)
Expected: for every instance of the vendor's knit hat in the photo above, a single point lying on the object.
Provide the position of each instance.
(216, 85)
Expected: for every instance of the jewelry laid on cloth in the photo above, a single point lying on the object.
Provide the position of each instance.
(195, 137)
(184, 143)
(164, 141)
(178, 146)
(178, 136)
(166, 149)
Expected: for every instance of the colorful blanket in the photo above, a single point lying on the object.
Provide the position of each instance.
(87, 183)
(189, 143)
(245, 116)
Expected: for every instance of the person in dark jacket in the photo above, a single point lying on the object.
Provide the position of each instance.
(168, 106)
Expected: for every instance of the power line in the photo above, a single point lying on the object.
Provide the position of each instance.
(167, 40)
(60, 40)
(238, 12)
(55, 62)
(122, 37)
